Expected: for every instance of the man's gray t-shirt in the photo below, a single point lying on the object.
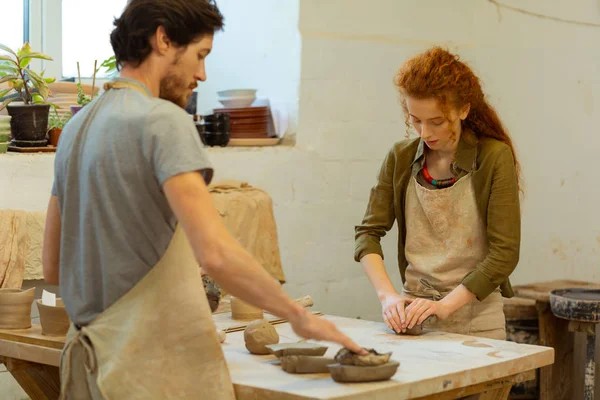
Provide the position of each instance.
(109, 170)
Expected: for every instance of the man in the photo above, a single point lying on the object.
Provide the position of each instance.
(130, 218)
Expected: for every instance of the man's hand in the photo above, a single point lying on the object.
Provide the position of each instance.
(309, 326)
(392, 309)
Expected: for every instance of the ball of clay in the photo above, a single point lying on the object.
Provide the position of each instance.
(222, 335)
(258, 334)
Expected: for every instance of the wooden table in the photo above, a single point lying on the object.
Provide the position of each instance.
(556, 381)
(436, 365)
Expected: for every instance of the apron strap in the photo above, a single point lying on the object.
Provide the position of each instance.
(124, 85)
(82, 340)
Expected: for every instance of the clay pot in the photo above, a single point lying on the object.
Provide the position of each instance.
(54, 320)
(15, 308)
(75, 110)
(244, 311)
(29, 124)
(53, 136)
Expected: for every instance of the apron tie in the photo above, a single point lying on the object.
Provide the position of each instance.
(428, 291)
(91, 364)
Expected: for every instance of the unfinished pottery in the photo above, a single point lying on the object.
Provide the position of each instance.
(258, 334)
(306, 364)
(244, 311)
(347, 357)
(213, 292)
(54, 320)
(418, 329)
(352, 373)
(297, 349)
(15, 308)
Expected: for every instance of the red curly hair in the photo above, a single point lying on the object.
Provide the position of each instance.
(439, 74)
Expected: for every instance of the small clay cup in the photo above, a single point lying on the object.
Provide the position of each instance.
(54, 320)
(15, 308)
(241, 310)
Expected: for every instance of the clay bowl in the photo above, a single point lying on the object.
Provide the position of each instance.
(351, 373)
(15, 308)
(54, 320)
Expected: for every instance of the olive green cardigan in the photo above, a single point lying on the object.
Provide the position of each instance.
(495, 184)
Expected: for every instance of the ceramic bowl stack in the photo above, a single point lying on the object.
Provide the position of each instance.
(4, 133)
(237, 98)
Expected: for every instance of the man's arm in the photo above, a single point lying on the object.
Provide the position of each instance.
(228, 263)
(51, 249)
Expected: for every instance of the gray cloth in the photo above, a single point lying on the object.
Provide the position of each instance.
(114, 155)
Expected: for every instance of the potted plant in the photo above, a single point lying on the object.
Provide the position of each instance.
(111, 67)
(56, 123)
(82, 99)
(30, 118)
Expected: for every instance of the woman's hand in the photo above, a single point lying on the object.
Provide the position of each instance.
(421, 309)
(392, 309)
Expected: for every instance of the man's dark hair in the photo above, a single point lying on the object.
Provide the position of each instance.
(184, 21)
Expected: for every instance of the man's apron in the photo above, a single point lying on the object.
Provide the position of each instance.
(158, 341)
(445, 240)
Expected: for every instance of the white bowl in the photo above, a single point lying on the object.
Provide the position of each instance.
(227, 94)
(238, 102)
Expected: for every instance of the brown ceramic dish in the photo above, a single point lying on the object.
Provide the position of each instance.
(297, 349)
(352, 373)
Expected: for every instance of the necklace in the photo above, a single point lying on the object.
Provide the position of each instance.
(439, 183)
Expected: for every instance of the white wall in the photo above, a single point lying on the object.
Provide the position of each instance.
(259, 49)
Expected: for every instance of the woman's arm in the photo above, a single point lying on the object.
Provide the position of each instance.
(503, 229)
(378, 220)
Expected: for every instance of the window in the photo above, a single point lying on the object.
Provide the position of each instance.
(14, 22)
(86, 34)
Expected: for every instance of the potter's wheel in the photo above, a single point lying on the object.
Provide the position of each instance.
(582, 308)
(576, 304)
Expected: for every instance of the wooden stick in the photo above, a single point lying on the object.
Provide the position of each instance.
(78, 73)
(94, 80)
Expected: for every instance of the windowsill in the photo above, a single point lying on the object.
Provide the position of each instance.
(287, 143)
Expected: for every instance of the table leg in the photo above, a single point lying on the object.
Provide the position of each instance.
(556, 380)
(39, 381)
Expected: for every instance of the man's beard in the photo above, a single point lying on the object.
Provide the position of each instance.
(174, 89)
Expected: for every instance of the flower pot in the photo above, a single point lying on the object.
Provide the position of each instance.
(29, 124)
(75, 110)
(53, 136)
(15, 308)
(54, 320)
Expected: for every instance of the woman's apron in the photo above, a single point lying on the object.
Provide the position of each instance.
(158, 341)
(445, 240)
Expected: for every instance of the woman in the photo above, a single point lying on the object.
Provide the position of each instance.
(454, 193)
